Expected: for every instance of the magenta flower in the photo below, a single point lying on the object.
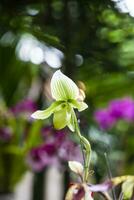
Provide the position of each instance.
(122, 109)
(25, 106)
(50, 134)
(34, 159)
(42, 156)
(119, 109)
(104, 119)
(56, 150)
(69, 151)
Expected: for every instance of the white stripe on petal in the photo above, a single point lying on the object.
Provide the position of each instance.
(62, 87)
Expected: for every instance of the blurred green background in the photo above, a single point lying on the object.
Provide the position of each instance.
(92, 42)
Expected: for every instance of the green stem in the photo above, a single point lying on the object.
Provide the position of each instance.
(87, 146)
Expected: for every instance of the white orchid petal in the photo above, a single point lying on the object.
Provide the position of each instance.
(44, 114)
(62, 87)
(76, 167)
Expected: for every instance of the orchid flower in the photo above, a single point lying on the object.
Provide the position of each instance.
(83, 191)
(67, 98)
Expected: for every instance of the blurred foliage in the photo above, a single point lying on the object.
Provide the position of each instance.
(96, 42)
(17, 136)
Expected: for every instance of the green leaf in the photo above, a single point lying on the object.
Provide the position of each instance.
(62, 87)
(33, 137)
(46, 113)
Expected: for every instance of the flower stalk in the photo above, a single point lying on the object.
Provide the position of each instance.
(87, 152)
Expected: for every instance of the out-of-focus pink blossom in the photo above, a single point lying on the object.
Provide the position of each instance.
(42, 156)
(34, 159)
(119, 109)
(51, 135)
(25, 106)
(69, 151)
(56, 150)
(104, 119)
(122, 109)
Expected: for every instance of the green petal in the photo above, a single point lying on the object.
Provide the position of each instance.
(80, 105)
(71, 124)
(127, 189)
(71, 127)
(46, 113)
(61, 118)
(62, 87)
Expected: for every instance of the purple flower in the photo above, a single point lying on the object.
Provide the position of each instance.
(60, 137)
(119, 109)
(69, 151)
(104, 119)
(47, 131)
(25, 106)
(50, 135)
(122, 109)
(79, 191)
(41, 156)
(50, 149)
(102, 187)
(58, 148)
(34, 159)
